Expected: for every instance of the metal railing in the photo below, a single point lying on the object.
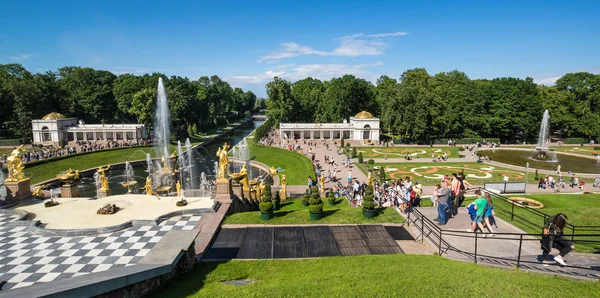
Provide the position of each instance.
(569, 226)
(428, 229)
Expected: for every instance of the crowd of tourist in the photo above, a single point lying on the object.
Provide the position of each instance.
(46, 152)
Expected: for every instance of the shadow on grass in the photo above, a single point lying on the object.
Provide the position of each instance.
(188, 283)
(283, 204)
(283, 213)
(330, 212)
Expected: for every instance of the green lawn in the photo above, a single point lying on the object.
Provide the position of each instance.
(295, 166)
(369, 276)
(582, 210)
(430, 173)
(48, 170)
(292, 212)
(400, 152)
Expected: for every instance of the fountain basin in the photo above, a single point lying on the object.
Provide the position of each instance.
(520, 157)
(80, 213)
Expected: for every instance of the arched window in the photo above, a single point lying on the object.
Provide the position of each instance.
(46, 137)
(367, 132)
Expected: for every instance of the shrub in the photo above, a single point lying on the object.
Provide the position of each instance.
(461, 148)
(317, 208)
(370, 162)
(382, 174)
(537, 177)
(306, 197)
(353, 152)
(368, 204)
(266, 206)
(596, 148)
(63, 143)
(360, 158)
(574, 141)
(10, 142)
(331, 198)
(316, 204)
(342, 142)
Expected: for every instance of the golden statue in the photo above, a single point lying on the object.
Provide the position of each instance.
(103, 178)
(261, 191)
(37, 191)
(273, 171)
(148, 186)
(322, 183)
(283, 191)
(69, 175)
(223, 161)
(15, 165)
(178, 187)
(244, 181)
(166, 167)
(370, 178)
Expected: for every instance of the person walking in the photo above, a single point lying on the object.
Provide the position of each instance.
(480, 206)
(488, 217)
(443, 198)
(553, 238)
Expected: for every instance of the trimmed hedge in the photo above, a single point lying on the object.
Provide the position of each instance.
(575, 141)
(10, 142)
(263, 129)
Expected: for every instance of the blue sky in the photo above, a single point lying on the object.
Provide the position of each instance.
(248, 42)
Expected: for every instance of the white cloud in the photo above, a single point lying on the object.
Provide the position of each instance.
(546, 81)
(20, 57)
(298, 72)
(359, 44)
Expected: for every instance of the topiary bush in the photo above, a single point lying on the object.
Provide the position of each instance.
(360, 158)
(382, 174)
(305, 197)
(368, 202)
(331, 198)
(461, 149)
(370, 162)
(315, 202)
(353, 152)
(342, 143)
(266, 206)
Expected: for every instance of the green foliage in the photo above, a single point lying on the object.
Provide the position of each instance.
(342, 143)
(316, 208)
(267, 196)
(370, 162)
(574, 141)
(353, 152)
(382, 173)
(10, 142)
(461, 149)
(360, 157)
(263, 129)
(62, 143)
(306, 197)
(331, 197)
(369, 204)
(316, 204)
(537, 177)
(266, 207)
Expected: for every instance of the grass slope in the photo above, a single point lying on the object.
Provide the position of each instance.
(369, 276)
(296, 166)
(292, 212)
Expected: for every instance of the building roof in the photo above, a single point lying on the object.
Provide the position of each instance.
(54, 116)
(364, 115)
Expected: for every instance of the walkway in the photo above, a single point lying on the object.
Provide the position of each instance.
(503, 248)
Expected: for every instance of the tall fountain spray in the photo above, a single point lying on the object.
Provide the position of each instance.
(182, 164)
(129, 175)
(190, 159)
(162, 122)
(149, 164)
(544, 131)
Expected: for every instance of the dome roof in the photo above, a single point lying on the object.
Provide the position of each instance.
(54, 116)
(364, 115)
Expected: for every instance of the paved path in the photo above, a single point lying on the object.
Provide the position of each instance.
(505, 246)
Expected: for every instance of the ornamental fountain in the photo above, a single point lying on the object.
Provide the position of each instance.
(542, 147)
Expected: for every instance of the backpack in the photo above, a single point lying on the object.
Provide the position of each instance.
(471, 209)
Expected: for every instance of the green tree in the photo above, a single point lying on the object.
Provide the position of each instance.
(281, 102)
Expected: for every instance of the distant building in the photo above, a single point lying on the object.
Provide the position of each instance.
(363, 126)
(55, 127)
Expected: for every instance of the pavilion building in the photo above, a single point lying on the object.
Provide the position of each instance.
(55, 127)
(362, 127)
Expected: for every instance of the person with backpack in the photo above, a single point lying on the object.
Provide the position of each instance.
(553, 238)
(488, 217)
(479, 205)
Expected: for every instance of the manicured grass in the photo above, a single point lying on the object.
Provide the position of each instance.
(292, 212)
(429, 173)
(582, 210)
(48, 170)
(369, 276)
(400, 152)
(295, 166)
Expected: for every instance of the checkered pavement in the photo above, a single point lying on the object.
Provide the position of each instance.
(26, 258)
(5, 218)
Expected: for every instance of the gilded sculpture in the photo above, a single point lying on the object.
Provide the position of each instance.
(223, 161)
(15, 165)
(370, 178)
(103, 178)
(283, 191)
(148, 186)
(178, 187)
(37, 191)
(244, 181)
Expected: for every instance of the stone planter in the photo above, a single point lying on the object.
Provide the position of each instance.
(316, 216)
(369, 213)
(266, 215)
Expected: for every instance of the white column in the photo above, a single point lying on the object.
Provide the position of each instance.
(104, 135)
(85, 136)
(95, 137)
(135, 134)
(114, 136)
(125, 136)
(331, 134)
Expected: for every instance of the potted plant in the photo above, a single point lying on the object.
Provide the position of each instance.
(305, 198)
(368, 204)
(316, 205)
(266, 206)
(331, 199)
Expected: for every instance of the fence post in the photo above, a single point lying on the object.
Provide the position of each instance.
(476, 247)
(573, 234)
(422, 229)
(440, 243)
(520, 245)
(408, 218)
(512, 212)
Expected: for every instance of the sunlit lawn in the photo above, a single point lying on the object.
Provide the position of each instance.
(400, 152)
(396, 275)
(295, 166)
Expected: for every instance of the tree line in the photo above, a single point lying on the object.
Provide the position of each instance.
(419, 107)
(98, 95)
